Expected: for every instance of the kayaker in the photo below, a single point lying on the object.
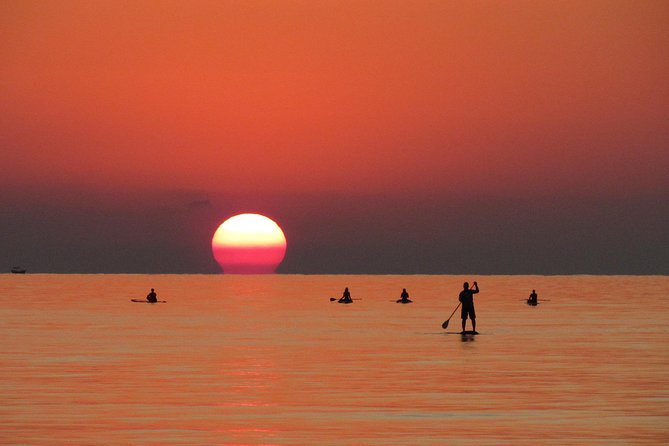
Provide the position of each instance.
(404, 297)
(152, 297)
(532, 300)
(346, 297)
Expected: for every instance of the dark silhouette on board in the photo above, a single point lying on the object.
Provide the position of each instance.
(346, 297)
(466, 298)
(532, 300)
(404, 297)
(152, 296)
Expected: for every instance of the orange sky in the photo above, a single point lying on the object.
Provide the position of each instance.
(510, 97)
(383, 136)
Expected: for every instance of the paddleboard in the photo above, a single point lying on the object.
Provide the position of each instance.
(465, 333)
(144, 301)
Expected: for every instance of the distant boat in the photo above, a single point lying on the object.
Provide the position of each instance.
(18, 270)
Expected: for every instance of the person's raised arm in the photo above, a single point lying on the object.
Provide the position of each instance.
(476, 288)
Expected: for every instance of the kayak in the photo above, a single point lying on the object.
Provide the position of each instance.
(144, 301)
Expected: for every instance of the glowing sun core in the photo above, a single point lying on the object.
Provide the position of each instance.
(248, 244)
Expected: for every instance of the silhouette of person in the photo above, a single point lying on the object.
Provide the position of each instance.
(404, 297)
(346, 297)
(152, 297)
(532, 300)
(466, 298)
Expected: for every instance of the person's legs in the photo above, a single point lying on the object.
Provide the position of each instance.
(463, 315)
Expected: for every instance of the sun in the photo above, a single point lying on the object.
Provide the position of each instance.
(248, 244)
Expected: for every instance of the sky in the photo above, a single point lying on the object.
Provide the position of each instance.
(384, 137)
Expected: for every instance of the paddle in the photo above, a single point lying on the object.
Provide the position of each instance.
(332, 299)
(445, 324)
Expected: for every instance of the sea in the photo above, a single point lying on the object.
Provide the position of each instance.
(272, 360)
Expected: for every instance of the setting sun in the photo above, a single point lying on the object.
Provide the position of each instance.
(248, 244)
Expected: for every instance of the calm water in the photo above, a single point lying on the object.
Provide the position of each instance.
(236, 360)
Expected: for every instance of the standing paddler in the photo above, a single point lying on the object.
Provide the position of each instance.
(466, 298)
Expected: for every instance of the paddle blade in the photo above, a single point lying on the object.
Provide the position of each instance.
(445, 324)
(332, 299)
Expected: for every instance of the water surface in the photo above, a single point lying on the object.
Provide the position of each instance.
(246, 360)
